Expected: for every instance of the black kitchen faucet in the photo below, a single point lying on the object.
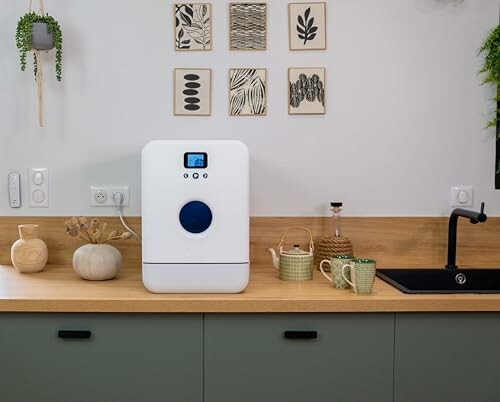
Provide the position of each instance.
(475, 217)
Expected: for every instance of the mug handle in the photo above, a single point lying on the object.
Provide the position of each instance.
(323, 272)
(343, 274)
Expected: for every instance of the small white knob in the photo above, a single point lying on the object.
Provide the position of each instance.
(462, 197)
(37, 178)
(38, 196)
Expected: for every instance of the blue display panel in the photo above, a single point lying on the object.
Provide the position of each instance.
(195, 160)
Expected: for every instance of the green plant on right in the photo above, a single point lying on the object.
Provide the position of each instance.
(491, 66)
(23, 39)
(491, 72)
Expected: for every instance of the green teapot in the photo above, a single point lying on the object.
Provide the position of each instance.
(294, 264)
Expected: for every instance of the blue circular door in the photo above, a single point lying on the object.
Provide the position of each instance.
(195, 217)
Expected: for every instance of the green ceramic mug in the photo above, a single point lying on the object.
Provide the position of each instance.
(336, 263)
(362, 272)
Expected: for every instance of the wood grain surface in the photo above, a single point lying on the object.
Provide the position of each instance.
(391, 241)
(61, 246)
(58, 289)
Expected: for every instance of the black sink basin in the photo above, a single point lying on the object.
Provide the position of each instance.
(442, 280)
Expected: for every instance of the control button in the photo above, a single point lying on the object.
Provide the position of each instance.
(38, 196)
(195, 217)
(37, 178)
(195, 175)
(205, 175)
(462, 197)
(186, 175)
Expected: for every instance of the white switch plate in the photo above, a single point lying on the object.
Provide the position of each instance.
(102, 196)
(461, 196)
(14, 186)
(38, 188)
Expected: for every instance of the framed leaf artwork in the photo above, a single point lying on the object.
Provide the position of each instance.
(247, 92)
(307, 90)
(247, 26)
(193, 26)
(307, 26)
(192, 91)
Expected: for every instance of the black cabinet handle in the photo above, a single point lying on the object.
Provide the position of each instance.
(68, 334)
(300, 334)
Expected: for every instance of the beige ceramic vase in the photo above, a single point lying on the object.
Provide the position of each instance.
(97, 262)
(29, 254)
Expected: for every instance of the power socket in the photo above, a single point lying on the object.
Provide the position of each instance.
(102, 196)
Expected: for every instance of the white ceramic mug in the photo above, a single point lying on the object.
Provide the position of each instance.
(362, 272)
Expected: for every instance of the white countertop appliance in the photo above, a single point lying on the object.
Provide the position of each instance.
(195, 216)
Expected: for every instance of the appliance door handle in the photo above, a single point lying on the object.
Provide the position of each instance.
(74, 334)
(300, 334)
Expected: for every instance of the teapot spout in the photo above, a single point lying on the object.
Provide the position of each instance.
(276, 260)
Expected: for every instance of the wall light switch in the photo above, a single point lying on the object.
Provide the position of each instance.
(14, 186)
(38, 188)
(461, 196)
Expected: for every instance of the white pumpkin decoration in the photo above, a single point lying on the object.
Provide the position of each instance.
(97, 262)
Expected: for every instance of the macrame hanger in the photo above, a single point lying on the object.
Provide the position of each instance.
(39, 87)
(41, 10)
(39, 77)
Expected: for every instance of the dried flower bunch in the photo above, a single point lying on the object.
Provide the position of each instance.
(93, 233)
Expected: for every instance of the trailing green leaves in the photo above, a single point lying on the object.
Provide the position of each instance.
(306, 30)
(24, 39)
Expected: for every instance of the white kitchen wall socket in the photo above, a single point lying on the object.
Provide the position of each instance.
(102, 196)
(461, 196)
(38, 188)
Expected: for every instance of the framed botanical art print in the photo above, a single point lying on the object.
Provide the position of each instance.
(247, 26)
(247, 92)
(307, 26)
(307, 90)
(193, 26)
(192, 91)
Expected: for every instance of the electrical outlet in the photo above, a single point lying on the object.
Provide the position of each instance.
(102, 196)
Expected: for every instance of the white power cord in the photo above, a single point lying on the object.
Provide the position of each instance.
(118, 200)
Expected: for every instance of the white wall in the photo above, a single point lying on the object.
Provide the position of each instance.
(404, 122)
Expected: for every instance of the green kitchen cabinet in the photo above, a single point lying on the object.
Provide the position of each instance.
(335, 357)
(447, 357)
(249, 359)
(127, 358)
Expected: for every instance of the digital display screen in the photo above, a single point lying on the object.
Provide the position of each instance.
(195, 160)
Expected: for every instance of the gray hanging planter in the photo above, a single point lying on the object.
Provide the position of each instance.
(41, 38)
(37, 33)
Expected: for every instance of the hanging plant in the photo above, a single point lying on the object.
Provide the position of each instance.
(24, 39)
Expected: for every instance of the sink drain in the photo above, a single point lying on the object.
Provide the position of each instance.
(460, 279)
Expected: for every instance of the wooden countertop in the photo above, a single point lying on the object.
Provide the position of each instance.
(58, 289)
